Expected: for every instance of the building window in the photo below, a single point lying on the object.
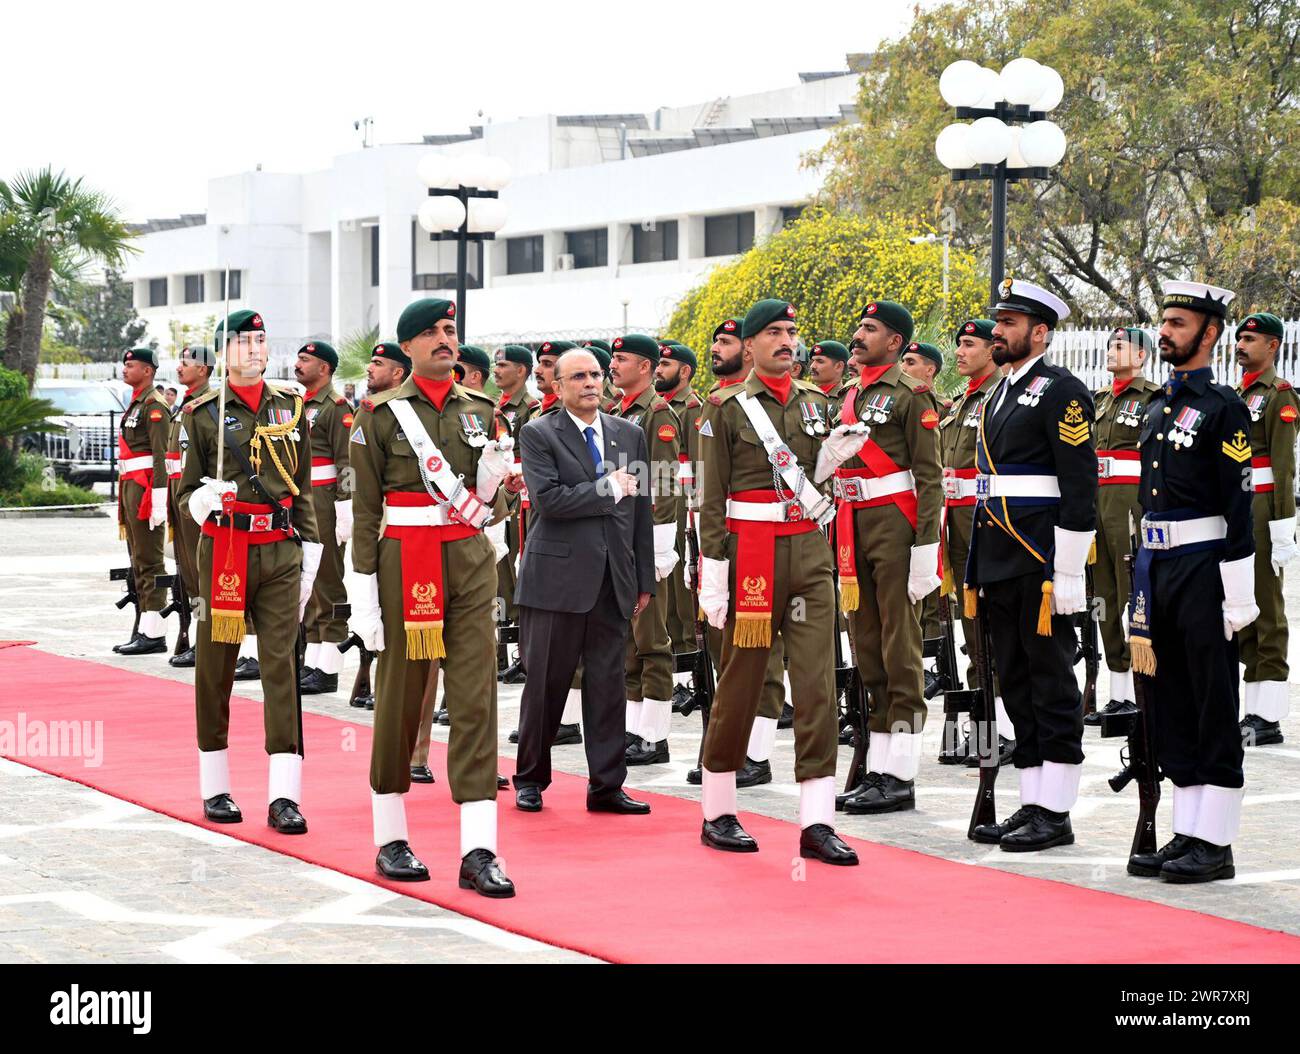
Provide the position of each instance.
(236, 285)
(588, 248)
(193, 289)
(524, 255)
(157, 292)
(727, 235)
(790, 213)
(441, 274)
(374, 256)
(655, 245)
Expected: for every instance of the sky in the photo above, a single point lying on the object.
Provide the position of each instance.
(149, 100)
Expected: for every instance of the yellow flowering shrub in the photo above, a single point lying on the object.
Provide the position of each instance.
(830, 265)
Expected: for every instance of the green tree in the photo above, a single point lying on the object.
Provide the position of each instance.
(830, 266)
(100, 320)
(61, 226)
(354, 353)
(1182, 126)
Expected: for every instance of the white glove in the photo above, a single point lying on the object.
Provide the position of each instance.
(496, 534)
(1282, 534)
(1239, 608)
(686, 574)
(207, 498)
(686, 480)
(843, 443)
(494, 465)
(342, 521)
(922, 576)
(311, 554)
(1069, 592)
(714, 595)
(366, 620)
(158, 507)
(665, 550)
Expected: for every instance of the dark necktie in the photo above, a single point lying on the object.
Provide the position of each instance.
(596, 457)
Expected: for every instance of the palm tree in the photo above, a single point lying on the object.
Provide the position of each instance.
(60, 226)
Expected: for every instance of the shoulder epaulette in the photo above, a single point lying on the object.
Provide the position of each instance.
(535, 404)
(199, 400)
(693, 401)
(376, 399)
(474, 393)
(613, 404)
(660, 404)
(1283, 386)
(715, 398)
(340, 401)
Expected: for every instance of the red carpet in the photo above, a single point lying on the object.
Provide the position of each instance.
(634, 889)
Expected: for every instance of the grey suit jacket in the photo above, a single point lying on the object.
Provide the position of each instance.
(575, 529)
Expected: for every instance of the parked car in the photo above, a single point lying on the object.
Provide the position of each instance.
(90, 412)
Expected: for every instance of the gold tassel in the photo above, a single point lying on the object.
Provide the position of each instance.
(1144, 656)
(227, 628)
(752, 631)
(970, 602)
(121, 532)
(947, 587)
(171, 532)
(424, 641)
(1045, 611)
(850, 595)
(1092, 552)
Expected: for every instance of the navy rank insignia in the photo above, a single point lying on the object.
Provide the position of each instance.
(1238, 449)
(1073, 427)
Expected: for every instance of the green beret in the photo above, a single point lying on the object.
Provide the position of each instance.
(831, 349)
(243, 321)
(1262, 322)
(679, 352)
(763, 314)
(555, 348)
(892, 314)
(421, 315)
(638, 344)
(197, 353)
(458, 371)
(515, 353)
(1134, 335)
(603, 345)
(393, 352)
(146, 355)
(729, 326)
(602, 356)
(322, 351)
(929, 351)
(975, 327)
(474, 356)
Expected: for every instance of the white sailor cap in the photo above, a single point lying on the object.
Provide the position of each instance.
(1198, 296)
(1030, 299)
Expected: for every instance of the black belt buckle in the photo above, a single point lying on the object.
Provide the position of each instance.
(280, 520)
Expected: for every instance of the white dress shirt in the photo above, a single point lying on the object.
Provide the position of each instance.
(1017, 374)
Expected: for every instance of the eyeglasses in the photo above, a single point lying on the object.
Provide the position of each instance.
(580, 376)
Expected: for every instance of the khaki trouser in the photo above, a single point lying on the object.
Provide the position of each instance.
(428, 707)
(327, 590)
(1264, 641)
(185, 544)
(649, 666)
(886, 626)
(1116, 502)
(802, 572)
(469, 674)
(506, 571)
(146, 549)
(274, 574)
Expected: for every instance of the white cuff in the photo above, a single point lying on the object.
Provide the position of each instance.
(1006, 727)
(718, 794)
(1238, 578)
(1071, 553)
(632, 716)
(1058, 789)
(1031, 780)
(1271, 700)
(656, 716)
(1219, 816)
(925, 561)
(388, 814)
(1282, 532)
(877, 751)
(214, 773)
(284, 778)
(904, 759)
(478, 826)
(665, 539)
(817, 802)
(151, 624)
(311, 554)
(1121, 686)
(1187, 803)
(328, 658)
(614, 488)
(761, 737)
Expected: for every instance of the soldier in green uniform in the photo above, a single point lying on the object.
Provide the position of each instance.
(887, 544)
(923, 362)
(1120, 409)
(427, 462)
(329, 418)
(958, 432)
(601, 349)
(827, 363)
(142, 497)
(475, 366)
(1273, 412)
(649, 651)
(192, 371)
(256, 555)
(513, 364)
(766, 569)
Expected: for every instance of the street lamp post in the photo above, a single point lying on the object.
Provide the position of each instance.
(1009, 139)
(463, 205)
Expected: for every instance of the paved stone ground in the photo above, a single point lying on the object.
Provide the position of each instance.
(84, 877)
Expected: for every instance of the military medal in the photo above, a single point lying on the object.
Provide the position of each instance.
(878, 408)
(473, 429)
(1034, 393)
(1183, 433)
(1128, 413)
(1255, 404)
(812, 419)
(311, 415)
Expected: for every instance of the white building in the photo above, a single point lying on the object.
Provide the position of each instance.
(611, 219)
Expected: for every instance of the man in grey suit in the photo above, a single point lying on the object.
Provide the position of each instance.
(587, 568)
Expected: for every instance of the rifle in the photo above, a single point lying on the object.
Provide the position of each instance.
(956, 700)
(1138, 756)
(182, 606)
(984, 726)
(1088, 646)
(362, 694)
(851, 697)
(127, 575)
(699, 665)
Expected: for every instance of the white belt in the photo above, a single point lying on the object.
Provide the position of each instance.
(1170, 534)
(418, 516)
(1261, 475)
(1119, 468)
(173, 466)
(766, 511)
(956, 487)
(135, 464)
(1017, 487)
(324, 473)
(868, 488)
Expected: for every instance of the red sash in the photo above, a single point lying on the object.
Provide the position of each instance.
(423, 613)
(230, 571)
(142, 476)
(756, 567)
